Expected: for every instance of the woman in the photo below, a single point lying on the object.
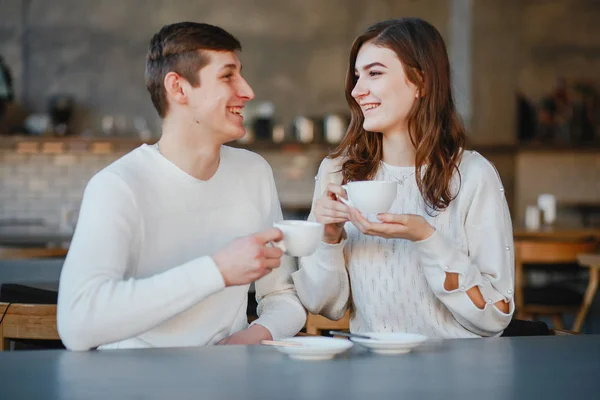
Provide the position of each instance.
(440, 262)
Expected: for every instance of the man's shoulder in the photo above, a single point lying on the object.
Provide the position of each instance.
(134, 161)
(122, 172)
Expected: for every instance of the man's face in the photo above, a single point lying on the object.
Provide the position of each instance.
(216, 104)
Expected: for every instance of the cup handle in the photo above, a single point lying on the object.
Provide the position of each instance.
(279, 245)
(343, 200)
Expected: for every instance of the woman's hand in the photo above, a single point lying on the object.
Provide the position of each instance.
(331, 212)
(397, 226)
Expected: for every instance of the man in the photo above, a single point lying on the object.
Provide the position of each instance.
(154, 261)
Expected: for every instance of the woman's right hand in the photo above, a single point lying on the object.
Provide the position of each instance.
(331, 212)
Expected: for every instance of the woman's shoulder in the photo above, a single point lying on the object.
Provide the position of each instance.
(331, 166)
(330, 170)
(476, 169)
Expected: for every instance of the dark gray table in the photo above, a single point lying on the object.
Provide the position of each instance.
(31, 270)
(500, 368)
(33, 236)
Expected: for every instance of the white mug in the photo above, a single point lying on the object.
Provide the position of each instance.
(532, 217)
(547, 203)
(370, 197)
(300, 238)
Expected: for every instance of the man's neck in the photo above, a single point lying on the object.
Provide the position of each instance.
(398, 150)
(195, 152)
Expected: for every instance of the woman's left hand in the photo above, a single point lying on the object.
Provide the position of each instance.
(397, 226)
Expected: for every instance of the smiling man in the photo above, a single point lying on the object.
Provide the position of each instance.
(170, 236)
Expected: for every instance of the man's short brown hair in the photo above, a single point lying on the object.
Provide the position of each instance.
(178, 48)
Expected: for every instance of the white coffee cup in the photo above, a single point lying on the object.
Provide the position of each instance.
(370, 197)
(300, 238)
(547, 203)
(532, 217)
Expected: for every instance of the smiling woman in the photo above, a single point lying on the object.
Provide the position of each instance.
(440, 261)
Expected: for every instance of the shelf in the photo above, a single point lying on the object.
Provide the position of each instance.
(535, 148)
(37, 144)
(57, 145)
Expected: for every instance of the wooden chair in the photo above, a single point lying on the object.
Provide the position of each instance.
(27, 321)
(547, 252)
(563, 332)
(18, 253)
(592, 262)
(315, 324)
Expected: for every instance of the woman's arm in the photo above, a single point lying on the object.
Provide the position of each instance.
(478, 287)
(322, 280)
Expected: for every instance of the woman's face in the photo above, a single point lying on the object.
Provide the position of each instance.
(382, 90)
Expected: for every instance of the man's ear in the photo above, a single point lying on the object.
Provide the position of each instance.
(174, 86)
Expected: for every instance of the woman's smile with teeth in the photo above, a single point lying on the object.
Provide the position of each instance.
(368, 107)
(235, 110)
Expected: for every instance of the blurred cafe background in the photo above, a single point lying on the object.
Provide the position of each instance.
(527, 82)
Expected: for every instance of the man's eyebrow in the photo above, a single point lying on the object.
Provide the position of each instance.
(231, 66)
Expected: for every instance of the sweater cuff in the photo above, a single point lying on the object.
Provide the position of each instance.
(331, 256)
(208, 274)
(282, 315)
(437, 254)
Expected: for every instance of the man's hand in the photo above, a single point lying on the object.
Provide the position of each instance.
(248, 259)
(251, 335)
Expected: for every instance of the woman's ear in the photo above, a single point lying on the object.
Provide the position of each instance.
(420, 92)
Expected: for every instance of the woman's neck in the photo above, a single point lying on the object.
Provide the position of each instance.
(398, 150)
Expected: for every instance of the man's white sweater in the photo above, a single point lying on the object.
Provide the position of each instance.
(139, 271)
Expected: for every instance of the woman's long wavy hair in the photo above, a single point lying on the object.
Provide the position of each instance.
(434, 125)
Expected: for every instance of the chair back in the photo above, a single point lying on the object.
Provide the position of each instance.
(315, 324)
(545, 252)
(18, 253)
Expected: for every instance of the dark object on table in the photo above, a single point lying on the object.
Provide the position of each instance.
(60, 109)
(526, 118)
(263, 128)
(17, 293)
(518, 327)
(6, 87)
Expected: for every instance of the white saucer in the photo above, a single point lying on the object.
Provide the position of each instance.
(391, 343)
(314, 348)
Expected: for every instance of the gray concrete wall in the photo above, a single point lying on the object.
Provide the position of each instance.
(526, 45)
(495, 32)
(295, 51)
(558, 38)
(573, 177)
